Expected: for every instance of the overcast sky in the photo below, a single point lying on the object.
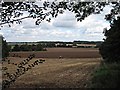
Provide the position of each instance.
(63, 28)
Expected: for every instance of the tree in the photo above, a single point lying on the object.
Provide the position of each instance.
(39, 47)
(24, 47)
(10, 11)
(110, 48)
(5, 48)
(16, 48)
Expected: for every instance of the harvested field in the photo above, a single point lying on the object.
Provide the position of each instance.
(74, 70)
(64, 52)
(55, 73)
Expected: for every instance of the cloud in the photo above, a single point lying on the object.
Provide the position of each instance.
(66, 20)
(63, 28)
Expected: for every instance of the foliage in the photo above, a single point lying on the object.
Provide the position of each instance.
(110, 48)
(39, 47)
(11, 11)
(26, 47)
(16, 48)
(5, 48)
(107, 76)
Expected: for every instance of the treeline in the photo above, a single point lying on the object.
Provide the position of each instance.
(42, 45)
(70, 44)
(26, 47)
(87, 42)
(74, 42)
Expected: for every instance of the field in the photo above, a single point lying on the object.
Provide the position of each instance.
(64, 52)
(66, 72)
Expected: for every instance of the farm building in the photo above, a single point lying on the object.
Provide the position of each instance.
(86, 45)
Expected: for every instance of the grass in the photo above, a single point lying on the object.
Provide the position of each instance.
(106, 76)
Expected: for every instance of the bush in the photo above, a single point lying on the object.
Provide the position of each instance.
(107, 76)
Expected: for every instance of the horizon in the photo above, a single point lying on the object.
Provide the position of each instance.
(57, 41)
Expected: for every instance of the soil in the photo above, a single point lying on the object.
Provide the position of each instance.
(63, 52)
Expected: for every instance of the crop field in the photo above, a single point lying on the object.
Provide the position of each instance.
(66, 72)
(64, 52)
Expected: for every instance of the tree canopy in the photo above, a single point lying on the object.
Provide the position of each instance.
(13, 11)
(110, 48)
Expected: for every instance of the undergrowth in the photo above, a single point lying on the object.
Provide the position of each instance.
(106, 76)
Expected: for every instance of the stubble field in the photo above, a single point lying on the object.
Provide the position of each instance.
(55, 72)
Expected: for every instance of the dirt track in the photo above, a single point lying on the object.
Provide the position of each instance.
(64, 52)
(57, 73)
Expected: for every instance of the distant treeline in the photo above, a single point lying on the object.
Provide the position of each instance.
(54, 42)
(26, 47)
(70, 44)
(87, 42)
(78, 42)
(40, 46)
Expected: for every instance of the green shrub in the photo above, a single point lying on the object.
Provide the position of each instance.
(107, 76)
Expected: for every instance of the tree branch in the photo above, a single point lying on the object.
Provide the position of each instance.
(15, 20)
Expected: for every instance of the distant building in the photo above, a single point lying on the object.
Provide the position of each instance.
(58, 44)
(69, 44)
(74, 46)
(86, 45)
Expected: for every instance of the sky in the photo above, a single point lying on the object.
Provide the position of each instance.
(63, 28)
